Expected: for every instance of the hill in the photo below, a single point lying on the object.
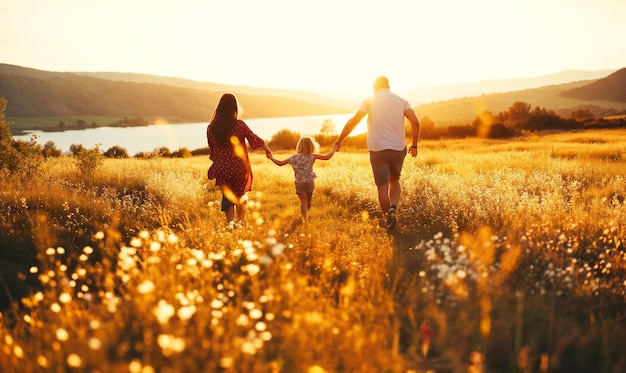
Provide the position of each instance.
(451, 91)
(217, 87)
(35, 93)
(40, 94)
(464, 110)
(611, 88)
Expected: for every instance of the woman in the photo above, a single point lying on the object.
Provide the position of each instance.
(227, 135)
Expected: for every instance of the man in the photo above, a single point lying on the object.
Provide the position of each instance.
(386, 141)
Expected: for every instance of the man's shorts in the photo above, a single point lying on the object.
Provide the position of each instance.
(386, 163)
(305, 187)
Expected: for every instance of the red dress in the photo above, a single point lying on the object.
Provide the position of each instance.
(229, 168)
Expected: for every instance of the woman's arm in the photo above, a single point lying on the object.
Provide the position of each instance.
(278, 162)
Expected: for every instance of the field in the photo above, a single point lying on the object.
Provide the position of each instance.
(513, 251)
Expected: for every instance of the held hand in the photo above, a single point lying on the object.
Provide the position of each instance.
(336, 145)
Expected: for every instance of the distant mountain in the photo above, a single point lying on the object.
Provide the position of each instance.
(611, 88)
(461, 111)
(225, 88)
(36, 93)
(451, 91)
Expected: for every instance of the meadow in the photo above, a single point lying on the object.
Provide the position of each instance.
(513, 250)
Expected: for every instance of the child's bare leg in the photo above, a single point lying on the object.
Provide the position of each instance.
(309, 198)
(304, 204)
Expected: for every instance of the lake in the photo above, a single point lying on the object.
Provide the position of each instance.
(175, 136)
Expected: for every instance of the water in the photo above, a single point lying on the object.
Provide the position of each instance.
(175, 136)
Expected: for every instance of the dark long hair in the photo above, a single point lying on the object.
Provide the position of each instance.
(224, 119)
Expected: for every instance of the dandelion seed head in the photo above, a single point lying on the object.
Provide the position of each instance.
(163, 312)
(226, 362)
(170, 344)
(186, 312)
(260, 326)
(135, 366)
(248, 348)
(94, 343)
(136, 242)
(155, 246)
(18, 352)
(243, 320)
(146, 287)
(278, 249)
(74, 361)
(253, 269)
(65, 298)
(42, 361)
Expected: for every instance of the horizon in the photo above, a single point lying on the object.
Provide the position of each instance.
(319, 46)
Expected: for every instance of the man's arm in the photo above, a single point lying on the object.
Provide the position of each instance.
(415, 130)
(348, 128)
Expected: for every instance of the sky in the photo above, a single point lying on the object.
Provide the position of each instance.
(333, 47)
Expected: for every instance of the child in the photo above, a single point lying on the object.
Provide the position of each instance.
(302, 163)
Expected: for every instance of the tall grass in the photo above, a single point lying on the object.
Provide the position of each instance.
(501, 245)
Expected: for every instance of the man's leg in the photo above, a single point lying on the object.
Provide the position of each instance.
(394, 190)
(383, 197)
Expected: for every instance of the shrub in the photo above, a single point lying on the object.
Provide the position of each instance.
(116, 152)
(284, 139)
(87, 160)
(17, 157)
(50, 150)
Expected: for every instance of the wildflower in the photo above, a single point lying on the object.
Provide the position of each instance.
(253, 269)
(62, 335)
(163, 312)
(42, 361)
(170, 344)
(65, 298)
(226, 362)
(146, 287)
(55, 307)
(74, 361)
(260, 326)
(94, 343)
(135, 242)
(99, 235)
(185, 313)
(256, 313)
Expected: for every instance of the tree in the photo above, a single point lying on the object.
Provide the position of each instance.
(17, 157)
(50, 150)
(427, 128)
(284, 139)
(116, 152)
(519, 111)
(76, 148)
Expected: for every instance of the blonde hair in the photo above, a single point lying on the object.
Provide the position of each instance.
(306, 145)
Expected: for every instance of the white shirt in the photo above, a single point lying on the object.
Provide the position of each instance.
(385, 120)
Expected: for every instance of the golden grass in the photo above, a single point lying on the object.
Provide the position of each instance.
(500, 244)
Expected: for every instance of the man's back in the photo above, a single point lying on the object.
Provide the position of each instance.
(385, 120)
